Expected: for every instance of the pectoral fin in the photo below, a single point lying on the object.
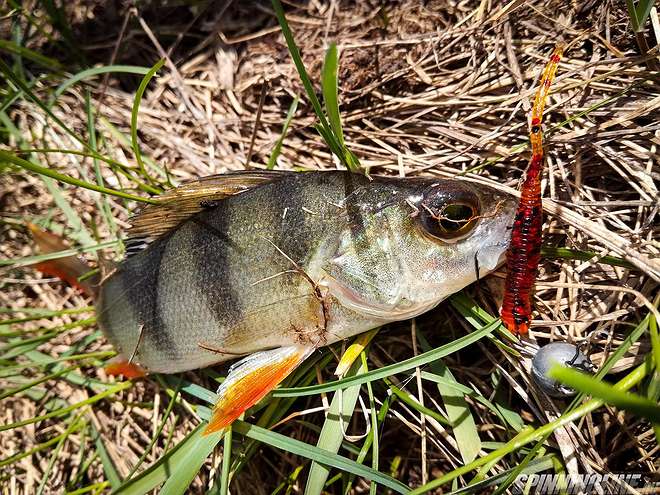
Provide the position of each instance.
(251, 379)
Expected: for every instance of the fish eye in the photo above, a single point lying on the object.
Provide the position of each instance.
(448, 222)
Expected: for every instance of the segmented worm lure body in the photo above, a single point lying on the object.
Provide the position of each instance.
(524, 253)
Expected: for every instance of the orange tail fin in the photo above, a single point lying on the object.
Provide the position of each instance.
(250, 380)
(68, 269)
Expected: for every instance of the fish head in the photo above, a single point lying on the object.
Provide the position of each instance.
(420, 241)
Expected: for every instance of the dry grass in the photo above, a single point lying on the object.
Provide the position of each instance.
(425, 89)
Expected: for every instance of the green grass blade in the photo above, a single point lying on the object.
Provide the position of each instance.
(66, 410)
(19, 83)
(85, 154)
(125, 141)
(515, 422)
(104, 206)
(517, 470)
(392, 369)
(78, 231)
(654, 387)
(375, 451)
(327, 136)
(42, 446)
(32, 383)
(319, 455)
(643, 11)
(332, 434)
(300, 66)
(161, 426)
(15, 49)
(530, 434)
(412, 403)
(184, 472)
(330, 90)
(38, 314)
(632, 13)
(76, 228)
(56, 452)
(538, 465)
(606, 393)
(31, 260)
(111, 474)
(459, 414)
(95, 488)
(327, 131)
(278, 146)
(134, 113)
(372, 440)
(11, 98)
(226, 462)
(95, 71)
(574, 254)
(67, 179)
(157, 473)
(614, 357)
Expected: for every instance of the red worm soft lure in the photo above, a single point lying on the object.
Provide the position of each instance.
(524, 253)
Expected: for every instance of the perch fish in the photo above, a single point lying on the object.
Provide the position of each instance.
(273, 265)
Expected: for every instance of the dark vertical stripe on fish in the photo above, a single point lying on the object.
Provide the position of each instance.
(212, 246)
(142, 294)
(293, 221)
(352, 204)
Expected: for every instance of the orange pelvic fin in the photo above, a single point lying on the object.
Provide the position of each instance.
(120, 366)
(69, 268)
(251, 379)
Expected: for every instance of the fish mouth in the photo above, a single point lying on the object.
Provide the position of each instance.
(493, 253)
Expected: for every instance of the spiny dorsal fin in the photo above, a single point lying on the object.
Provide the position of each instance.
(154, 221)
